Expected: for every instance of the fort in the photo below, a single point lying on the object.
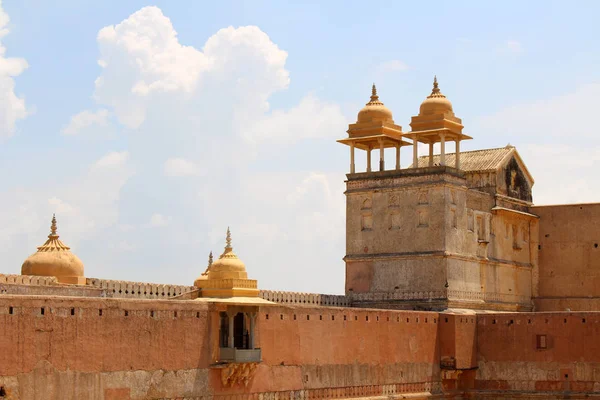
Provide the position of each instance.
(457, 287)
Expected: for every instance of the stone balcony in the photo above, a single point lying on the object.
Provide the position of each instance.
(228, 354)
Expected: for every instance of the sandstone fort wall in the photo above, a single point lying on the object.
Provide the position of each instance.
(569, 257)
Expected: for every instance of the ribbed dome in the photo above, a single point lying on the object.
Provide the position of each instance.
(436, 102)
(53, 258)
(228, 266)
(374, 110)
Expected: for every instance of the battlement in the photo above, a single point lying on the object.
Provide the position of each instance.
(309, 299)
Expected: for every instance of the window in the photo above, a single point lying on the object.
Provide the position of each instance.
(481, 228)
(366, 221)
(541, 342)
(423, 218)
(394, 220)
(470, 220)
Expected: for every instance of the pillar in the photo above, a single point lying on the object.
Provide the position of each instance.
(442, 149)
(230, 337)
(398, 156)
(252, 325)
(369, 159)
(457, 166)
(415, 153)
(431, 154)
(381, 156)
(352, 157)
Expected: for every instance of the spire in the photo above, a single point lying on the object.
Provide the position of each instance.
(228, 247)
(53, 227)
(53, 243)
(435, 92)
(374, 97)
(210, 261)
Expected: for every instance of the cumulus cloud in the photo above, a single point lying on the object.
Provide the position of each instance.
(142, 56)
(564, 169)
(206, 111)
(12, 107)
(114, 159)
(312, 118)
(86, 119)
(181, 167)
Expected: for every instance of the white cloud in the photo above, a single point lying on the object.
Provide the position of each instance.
(393, 66)
(142, 56)
(86, 119)
(207, 113)
(556, 139)
(159, 220)
(12, 107)
(181, 167)
(312, 118)
(111, 160)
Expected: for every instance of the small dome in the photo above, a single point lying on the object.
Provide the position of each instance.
(374, 110)
(436, 102)
(228, 266)
(54, 258)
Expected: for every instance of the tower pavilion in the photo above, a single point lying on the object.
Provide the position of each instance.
(432, 236)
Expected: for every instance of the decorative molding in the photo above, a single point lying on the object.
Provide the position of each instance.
(440, 294)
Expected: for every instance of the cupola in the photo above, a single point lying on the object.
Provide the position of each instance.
(54, 258)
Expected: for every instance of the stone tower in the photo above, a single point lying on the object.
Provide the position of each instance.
(419, 238)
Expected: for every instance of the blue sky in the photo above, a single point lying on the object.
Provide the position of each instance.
(148, 158)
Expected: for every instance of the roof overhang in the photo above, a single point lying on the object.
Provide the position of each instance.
(375, 141)
(503, 210)
(434, 135)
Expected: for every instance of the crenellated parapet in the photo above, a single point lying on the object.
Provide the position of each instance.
(309, 299)
(138, 290)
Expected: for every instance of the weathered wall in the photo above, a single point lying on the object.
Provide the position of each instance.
(86, 348)
(72, 352)
(511, 357)
(569, 257)
(313, 349)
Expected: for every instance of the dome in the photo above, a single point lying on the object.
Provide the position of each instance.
(374, 110)
(228, 266)
(436, 102)
(54, 258)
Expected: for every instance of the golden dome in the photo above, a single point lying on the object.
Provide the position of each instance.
(374, 110)
(228, 266)
(436, 102)
(54, 258)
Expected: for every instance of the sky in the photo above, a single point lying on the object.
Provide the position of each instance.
(149, 128)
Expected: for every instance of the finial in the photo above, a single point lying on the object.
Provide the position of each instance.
(228, 247)
(374, 97)
(53, 226)
(436, 89)
(210, 261)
